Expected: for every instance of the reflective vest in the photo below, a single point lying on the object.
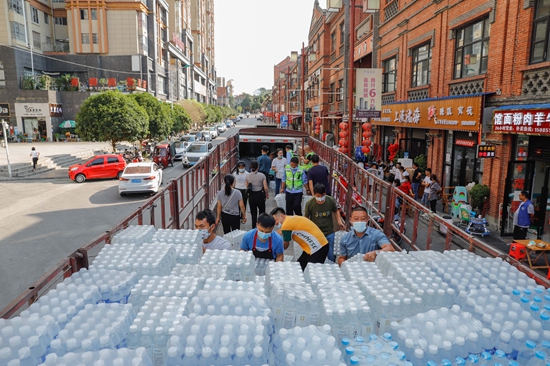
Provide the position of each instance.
(292, 153)
(309, 165)
(293, 181)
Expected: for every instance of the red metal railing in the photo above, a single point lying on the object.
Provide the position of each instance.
(174, 207)
(415, 225)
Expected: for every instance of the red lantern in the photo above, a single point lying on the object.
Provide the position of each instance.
(369, 142)
(343, 125)
(366, 150)
(344, 150)
(317, 131)
(365, 134)
(364, 142)
(341, 149)
(368, 125)
(364, 126)
(342, 142)
(343, 134)
(369, 134)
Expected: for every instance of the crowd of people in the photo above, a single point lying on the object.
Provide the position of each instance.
(295, 174)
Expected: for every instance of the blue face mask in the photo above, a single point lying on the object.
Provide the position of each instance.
(263, 236)
(360, 226)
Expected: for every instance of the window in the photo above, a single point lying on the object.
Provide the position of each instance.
(331, 93)
(472, 49)
(34, 15)
(15, 5)
(421, 65)
(342, 33)
(36, 40)
(85, 38)
(98, 161)
(389, 68)
(93, 14)
(84, 14)
(340, 91)
(333, 42)
(115, 161)
(161, 80)
(541, 29)
(46, 19)
(48, 40)
(60, 21)
(94, 38)
(17, 31)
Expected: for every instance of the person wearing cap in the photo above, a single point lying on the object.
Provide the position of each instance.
(305, 233)
(263, 241)
(240, 181)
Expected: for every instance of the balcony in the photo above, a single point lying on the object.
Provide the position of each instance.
(16, 8)
(391, 10)
(62, 47)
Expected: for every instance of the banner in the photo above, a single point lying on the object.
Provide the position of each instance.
(368, 94)
(522, 121)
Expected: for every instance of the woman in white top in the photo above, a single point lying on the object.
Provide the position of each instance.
(278, 166)
(240, 181)
(35, 154)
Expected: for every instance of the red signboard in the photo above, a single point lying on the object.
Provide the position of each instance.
(178, 42)
(463, 142)
(524, 121)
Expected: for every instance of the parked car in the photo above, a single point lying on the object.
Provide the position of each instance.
(140, 178)
(183, 144)
(195, 152)
(201, 135)
(108, 166)
(229, 123)
(221, 128)
(213, 131)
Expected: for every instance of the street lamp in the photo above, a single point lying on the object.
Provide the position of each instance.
(4, 131)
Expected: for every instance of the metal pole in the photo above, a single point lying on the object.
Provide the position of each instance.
(4, 128)
(351, 76)
(302, 91)
(29, 43)
(319, 99)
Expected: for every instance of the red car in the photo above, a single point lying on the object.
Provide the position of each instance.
(99, 167)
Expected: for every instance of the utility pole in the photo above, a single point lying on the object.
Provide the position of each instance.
(351, 75)
(5, 133)
(302, 91)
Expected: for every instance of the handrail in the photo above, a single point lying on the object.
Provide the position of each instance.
(174, 206)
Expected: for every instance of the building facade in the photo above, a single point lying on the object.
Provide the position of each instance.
(53, 48)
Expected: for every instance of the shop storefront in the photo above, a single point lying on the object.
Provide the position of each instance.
(529, 167)
(35, 120)
(445, 131)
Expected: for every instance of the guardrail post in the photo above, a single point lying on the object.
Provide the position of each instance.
(389, 211)
(174, 204)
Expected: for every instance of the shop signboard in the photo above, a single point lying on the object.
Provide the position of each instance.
(4, 110)
(486, 151)
(535, 121)
(465, 142)
(284, 121)
(458, 114)
(368, 96)
(56, 110)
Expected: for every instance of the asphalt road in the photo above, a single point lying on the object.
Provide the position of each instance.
(41, 222)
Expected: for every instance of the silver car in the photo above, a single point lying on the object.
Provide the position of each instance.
(182, 144)
(195, 152)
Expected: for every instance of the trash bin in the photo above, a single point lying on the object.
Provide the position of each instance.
(443, 228)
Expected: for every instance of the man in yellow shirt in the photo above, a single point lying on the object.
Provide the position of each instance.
(304, 232)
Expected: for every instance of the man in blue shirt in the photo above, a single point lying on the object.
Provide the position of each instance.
(362, 239)
(265, 163)
(263, 241)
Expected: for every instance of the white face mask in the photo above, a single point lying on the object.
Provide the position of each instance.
(205, 233)
(279, 156)
(241, 170)
(320, 199)
(278, 226)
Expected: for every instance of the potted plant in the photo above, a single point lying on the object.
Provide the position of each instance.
(421, 161)
(58, 137)
(21, 137)
(478, 196)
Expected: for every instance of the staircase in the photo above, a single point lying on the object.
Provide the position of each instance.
(49, 163)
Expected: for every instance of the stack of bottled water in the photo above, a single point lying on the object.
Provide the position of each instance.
(261, 266)
(280, 200)
(439, 334)
(390, 301)
(216, 271)
(256, 288)
(305, 199)
(240, 265)
(338, 235)
(63, 302)
(188, 254)
(373, 350)
(169, 236)
(153, 259)
(356, 258)
(114, 286)
(502, 274)
(94, 328)
(285, 272)
(460, 275)
(135, 234)
(229, 302)
(154, 324)
(306, 346)
(318, 274)
(220, 340)
(119, 357)
(360, 271)
(294, 304)
(111, 256)
(163, 286)
(235, 238)
(25, 340)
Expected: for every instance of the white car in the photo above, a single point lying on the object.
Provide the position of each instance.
(195, 152)
(182, 145)
(213, 131)
(140, 178)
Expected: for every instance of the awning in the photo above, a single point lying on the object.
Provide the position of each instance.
(523, 106)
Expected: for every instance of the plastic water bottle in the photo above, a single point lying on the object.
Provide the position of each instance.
(539, 359)
(526, 353)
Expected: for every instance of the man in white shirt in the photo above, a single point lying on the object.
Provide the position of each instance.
(426, 183)
(205, 223)
(397, 172)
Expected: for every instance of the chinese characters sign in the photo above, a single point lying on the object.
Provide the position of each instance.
(486, 151)
(526, 121)
(368, 96)
(461, 114)
(4, 110)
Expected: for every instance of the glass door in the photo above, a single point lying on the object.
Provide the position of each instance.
(519, 178)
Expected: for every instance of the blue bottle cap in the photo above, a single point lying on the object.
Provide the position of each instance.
(349, 350)
(547, 306)
(527, 291)
(545, 344)
(544, 316)
(513, 363)
(431, 363)
(539, 290)
(387, 336)
(500, 353)
(460, 361)
(535, 308)
(537, 299)
(407, 363)
(354, 360)
(400, 355)
(473, 358)
(360, 339)
(394, 345)
(486, 356)
(365, 349)
(373, 337)
(345, 341)
(540, 355)
(530, 344)
(524, 300)
(546, 298)
(446, 362)
(516, 292)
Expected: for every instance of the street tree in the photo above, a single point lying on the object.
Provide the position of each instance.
(111, 116)
(195, 110)
(160, 120)
(256, 106)
(247, 101)
(181, 118)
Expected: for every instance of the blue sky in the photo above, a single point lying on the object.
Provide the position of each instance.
(254, 35)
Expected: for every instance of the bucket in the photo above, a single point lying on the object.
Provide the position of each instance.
(443, 228)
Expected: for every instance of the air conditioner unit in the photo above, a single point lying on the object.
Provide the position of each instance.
(370, 6)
